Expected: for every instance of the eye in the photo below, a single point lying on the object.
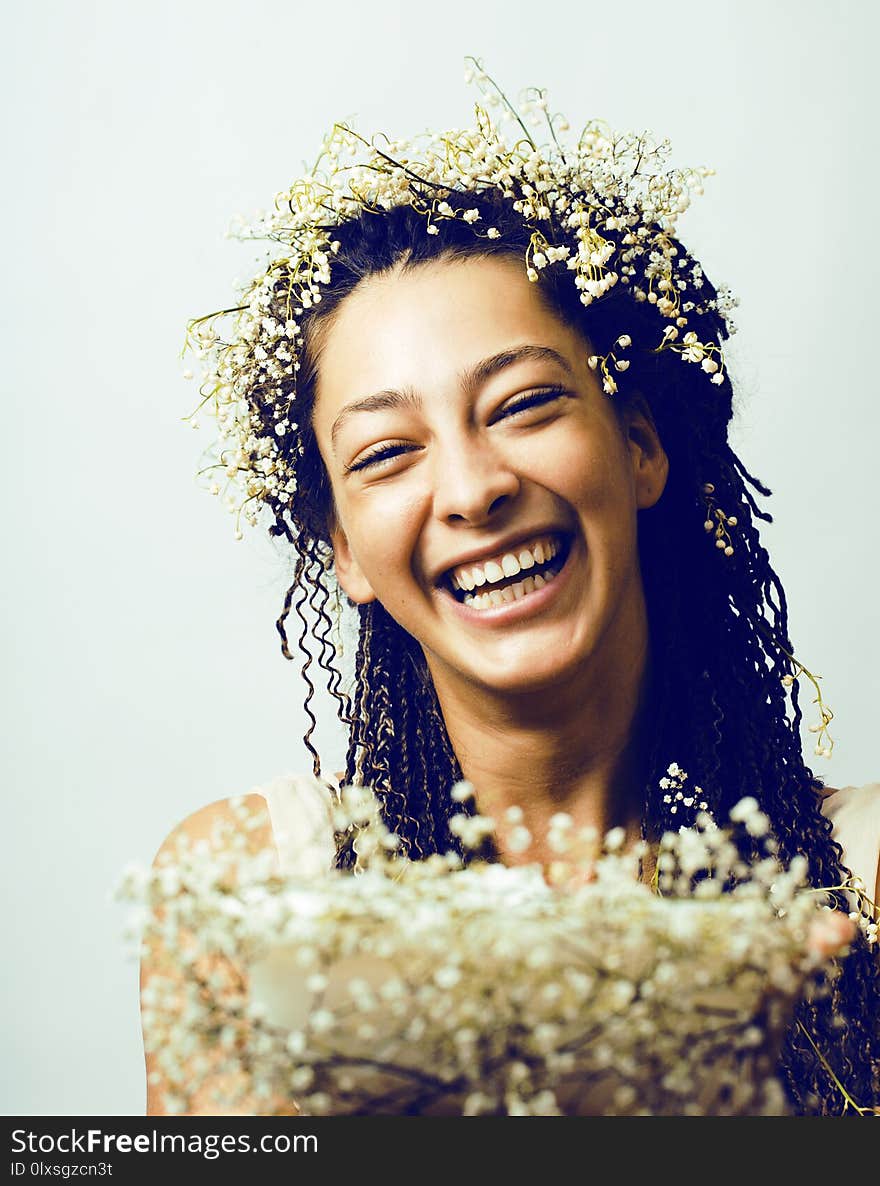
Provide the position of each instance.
(534, 399)
(375, 458)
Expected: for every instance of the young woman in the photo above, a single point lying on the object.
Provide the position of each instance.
(486, 395)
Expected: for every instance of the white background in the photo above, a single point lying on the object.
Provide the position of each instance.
(143, 672)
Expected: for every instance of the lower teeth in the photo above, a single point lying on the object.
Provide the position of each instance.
(498, 597)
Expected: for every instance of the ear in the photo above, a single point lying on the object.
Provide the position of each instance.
(649, 461)
(348, 572)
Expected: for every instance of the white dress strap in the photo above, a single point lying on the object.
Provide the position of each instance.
(855, 822)
(299, 811)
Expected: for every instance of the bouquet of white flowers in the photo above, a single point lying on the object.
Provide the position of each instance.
(439, 987)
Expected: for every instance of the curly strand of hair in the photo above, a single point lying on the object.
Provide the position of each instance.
(409, 761)
(302, 580)
(663, 716)
(755, 483)
(384, 682)
(319, 601)
(444, 771)
(416, 786)
(379, 714)
(281, 621)
(357, 758)
(437, 771)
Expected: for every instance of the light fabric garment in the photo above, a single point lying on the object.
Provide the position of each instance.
(299, 808)
(855, 821)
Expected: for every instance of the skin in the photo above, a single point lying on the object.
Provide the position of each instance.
(543, 703)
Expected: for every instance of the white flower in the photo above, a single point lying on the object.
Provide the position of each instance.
(520, 839)
(745, 808)
(464, 970)
(614, 839)
(322, 1020)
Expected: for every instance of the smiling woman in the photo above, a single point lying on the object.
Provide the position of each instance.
(516, 454)
(486, 395)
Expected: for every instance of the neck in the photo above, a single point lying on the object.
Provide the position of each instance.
(577, 750)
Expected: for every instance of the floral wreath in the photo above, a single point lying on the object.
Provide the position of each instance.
(604, 206)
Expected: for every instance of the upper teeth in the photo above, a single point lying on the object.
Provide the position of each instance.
(470, 576)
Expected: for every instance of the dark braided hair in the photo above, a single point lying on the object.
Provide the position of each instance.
(718, 626)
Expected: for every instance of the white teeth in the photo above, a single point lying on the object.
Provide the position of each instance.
(507, 565)
(494, 598)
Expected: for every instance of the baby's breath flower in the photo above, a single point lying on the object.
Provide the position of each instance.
(483, 976)
(604, 206)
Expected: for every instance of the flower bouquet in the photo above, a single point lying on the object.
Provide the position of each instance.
(439, 987)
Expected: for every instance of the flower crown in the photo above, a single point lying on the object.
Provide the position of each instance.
(604, 207)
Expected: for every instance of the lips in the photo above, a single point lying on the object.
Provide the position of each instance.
(528, 563)
(518, 599)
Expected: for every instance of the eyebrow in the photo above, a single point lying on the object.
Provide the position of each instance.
(471, 379)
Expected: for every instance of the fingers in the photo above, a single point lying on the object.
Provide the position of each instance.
(830, 933)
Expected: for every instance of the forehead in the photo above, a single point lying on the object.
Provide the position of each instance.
(421, 326)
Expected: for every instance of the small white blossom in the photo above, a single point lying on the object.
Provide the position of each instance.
(440, 966)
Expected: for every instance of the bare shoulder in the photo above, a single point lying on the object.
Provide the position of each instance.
(824, 791)
(854, 812)
(215, 822)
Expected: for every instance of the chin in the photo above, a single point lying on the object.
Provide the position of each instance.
(525, 679)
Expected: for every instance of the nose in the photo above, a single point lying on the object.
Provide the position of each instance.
(472, 482)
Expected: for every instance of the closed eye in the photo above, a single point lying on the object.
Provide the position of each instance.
(387, 451)
(382, 453)
(534, 399)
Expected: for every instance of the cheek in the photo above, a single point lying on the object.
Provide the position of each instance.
(591, 473)
(383, 529)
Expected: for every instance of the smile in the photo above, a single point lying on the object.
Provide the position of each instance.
(500, 581)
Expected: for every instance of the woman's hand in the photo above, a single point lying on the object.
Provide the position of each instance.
(830, 933)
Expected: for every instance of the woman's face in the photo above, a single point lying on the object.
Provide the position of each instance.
(484, 489)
